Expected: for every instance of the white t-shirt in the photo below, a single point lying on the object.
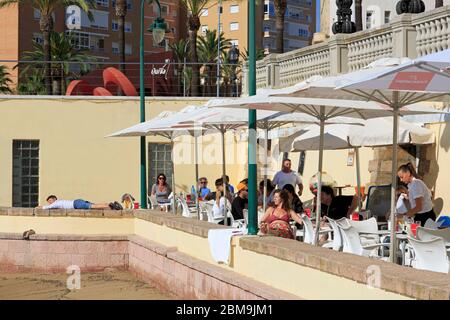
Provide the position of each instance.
(218, 210)
(281, 179)
(60, 204)
(417, 188)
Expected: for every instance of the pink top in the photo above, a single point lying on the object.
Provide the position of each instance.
(271, 218)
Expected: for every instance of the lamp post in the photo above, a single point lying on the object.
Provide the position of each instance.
(233, 58)
(159, 29)
(252, 196)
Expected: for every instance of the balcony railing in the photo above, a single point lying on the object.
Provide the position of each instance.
(409, 35)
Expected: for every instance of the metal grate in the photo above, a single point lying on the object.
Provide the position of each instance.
(25, 173)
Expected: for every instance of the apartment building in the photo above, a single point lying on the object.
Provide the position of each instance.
(20, 28)
(299, 25)
(233, 22)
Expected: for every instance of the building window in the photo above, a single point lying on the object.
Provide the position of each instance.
(267, 28)
(128, 50)
(25, 173)
(102, 3)
(234, 26)
(128, 27)
(369, 16)
(36, 14)
(164, 10)
(129, 5)
(115, 48)
(38, 38)
(80, 39)
(204, 29)
(234, 43)
(204, 13)
(234, 9)
(114, 25)
(387, 16)
(159, 161)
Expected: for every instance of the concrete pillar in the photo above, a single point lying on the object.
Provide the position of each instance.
(404, 36)
(338, 54)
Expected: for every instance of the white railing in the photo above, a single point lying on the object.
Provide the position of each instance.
(296, 67)
(361, 52)
(408, 35)
(433, 31)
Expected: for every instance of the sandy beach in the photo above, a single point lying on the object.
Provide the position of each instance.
(113, 285)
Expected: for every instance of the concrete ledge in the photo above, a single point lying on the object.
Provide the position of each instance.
(410, 282)
(28, 212)
(230, 277)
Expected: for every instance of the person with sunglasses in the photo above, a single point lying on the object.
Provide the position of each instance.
(240, 202)
(161, 189)
(203, 189)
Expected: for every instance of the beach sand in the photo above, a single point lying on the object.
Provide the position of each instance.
(109, 285)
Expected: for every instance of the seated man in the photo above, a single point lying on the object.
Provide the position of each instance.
(240, 202)
(337, 207)
(54, 203)
(203, 187)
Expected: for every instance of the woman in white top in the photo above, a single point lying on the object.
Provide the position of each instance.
(419, 195)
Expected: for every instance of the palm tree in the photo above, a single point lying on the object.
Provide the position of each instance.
(358, 15)
(207, 52)
(194, 8)
(179, 52)
(121, 12)
(5, 80)
(47, 8)
(33, 84)
(280, 11)
(62, 49)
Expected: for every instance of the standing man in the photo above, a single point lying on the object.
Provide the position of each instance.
(287, 176)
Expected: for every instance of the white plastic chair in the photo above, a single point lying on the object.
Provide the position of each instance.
(185, 210)
(336, 243)
(309, 232)
(352, 242)
(428, 234)
(430, 255)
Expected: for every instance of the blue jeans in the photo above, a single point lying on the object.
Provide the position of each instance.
(81, 204)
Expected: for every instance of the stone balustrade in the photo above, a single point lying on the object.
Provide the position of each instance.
(408, 35)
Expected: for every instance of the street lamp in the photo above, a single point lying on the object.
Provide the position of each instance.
(159, 29)
(233, 58)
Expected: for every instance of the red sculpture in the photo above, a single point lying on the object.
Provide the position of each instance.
(110, 76)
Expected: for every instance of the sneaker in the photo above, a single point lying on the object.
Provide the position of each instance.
(117, 206)
(111, 206)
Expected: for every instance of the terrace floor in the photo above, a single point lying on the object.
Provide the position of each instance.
(111, 285)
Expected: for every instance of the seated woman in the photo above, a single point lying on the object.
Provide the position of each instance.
(294, 200)
(276, 219)
(161, 190)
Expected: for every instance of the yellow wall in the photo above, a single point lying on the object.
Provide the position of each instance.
(301, 281)
(439, 175)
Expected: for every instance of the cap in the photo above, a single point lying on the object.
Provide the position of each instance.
(241, 186)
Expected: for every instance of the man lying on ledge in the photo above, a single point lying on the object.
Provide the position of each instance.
(54, 203)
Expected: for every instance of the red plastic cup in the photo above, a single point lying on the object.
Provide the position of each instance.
(308, 212)
(355, 216)
(414, 228)
(136, 205)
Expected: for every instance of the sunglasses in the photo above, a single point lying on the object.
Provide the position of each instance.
(161, 178)
(203, 182)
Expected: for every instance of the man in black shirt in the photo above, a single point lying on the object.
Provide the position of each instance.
(337, 207)
(240, 202)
